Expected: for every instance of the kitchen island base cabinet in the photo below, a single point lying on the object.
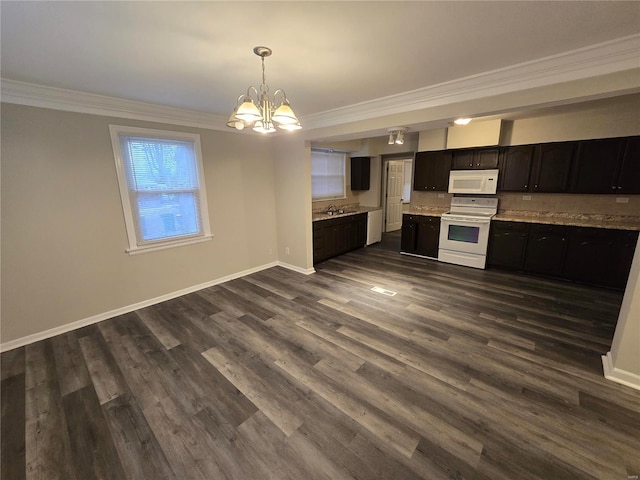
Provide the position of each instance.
(420, 235)
(336, 236)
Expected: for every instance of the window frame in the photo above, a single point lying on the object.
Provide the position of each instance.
(344, 175)
(138, 245)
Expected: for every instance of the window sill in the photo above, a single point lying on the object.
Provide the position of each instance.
(165, 246)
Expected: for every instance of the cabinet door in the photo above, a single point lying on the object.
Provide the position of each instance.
(319, 243)
(546, 249)
(360, 226)
(431, 171)
(507, 244)
(624, 247)
(588, 255)
(551, 167)
(462, 160)
(597, 165)
(629, 172)
(408, 241)
(360, 173)
(486, 158)
(428, 236)
(515, 168)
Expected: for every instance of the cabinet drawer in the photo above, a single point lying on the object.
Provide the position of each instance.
(510, 226)
(549, 229)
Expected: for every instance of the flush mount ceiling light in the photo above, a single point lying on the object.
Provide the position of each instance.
(256, 109)
(396, 135)
(462, 121)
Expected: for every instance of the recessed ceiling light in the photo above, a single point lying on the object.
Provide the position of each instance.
(462, 121)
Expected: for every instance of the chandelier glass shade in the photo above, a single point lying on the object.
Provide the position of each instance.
(260, 111)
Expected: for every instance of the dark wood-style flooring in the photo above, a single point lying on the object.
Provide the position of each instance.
(464, 374)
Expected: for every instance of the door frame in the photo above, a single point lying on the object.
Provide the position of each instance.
(383, 178)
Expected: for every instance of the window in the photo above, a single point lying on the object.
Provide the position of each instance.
(162, 187)
(327, 175)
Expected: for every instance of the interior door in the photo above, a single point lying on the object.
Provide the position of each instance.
(395, 183)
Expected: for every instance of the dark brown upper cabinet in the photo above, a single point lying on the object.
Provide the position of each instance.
(431, 171)
(628, 174)
(515, 168)
(598, 166)
(552, 166)
(360, 173)
(475, 158)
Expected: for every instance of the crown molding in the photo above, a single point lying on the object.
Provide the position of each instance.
(609, 57)
(33, 95)
(600, 59)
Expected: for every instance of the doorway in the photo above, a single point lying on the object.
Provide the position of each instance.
(396, 189)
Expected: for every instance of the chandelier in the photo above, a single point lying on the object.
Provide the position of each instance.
(256, 109)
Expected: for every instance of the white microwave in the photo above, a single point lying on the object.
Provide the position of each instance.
(477, 182)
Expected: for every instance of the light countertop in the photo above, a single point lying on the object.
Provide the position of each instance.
(349, 211)
(618, 222)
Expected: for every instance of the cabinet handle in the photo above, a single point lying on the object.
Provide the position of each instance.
(613, 186)
(619, 188)
(526, 186)
(535, 186)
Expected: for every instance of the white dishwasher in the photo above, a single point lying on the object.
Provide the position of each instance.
(374, 226)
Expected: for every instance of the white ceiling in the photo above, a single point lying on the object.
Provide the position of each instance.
(326, 55)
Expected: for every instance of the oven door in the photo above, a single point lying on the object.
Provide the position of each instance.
(468, 235)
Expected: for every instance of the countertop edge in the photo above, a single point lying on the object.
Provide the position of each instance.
(318, 217)
(569, 222)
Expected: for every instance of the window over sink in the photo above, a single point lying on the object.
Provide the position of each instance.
(328, 175)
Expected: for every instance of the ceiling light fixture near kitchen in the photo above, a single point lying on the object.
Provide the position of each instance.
(256, 109)
(396, 135)
(462, 121)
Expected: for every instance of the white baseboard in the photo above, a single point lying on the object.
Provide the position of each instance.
(620, 376)
(67, 327)
(304, 271)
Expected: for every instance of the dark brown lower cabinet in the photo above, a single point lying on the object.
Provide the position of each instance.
(507, 244)
(546, 249)
(594, 256)
(336, 236)
(600, 257)
(420, 235)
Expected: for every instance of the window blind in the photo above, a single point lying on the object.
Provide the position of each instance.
(327, 175)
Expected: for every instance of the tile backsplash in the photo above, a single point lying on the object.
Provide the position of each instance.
(545, 202)
(352, 199)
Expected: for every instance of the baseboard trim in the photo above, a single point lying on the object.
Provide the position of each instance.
(68, 327)
(304, 271)
(619, 376)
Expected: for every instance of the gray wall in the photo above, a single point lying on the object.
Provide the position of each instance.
(63, 231)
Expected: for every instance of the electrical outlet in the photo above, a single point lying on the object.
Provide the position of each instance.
(270, 251)
(622, 199)
(441, 195)
(286, 250)
(526, 197)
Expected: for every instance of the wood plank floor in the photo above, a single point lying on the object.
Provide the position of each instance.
(463, 374)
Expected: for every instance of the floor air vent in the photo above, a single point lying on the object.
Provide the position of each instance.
(384, 291)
